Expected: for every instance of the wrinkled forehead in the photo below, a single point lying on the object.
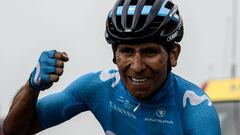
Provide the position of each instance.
(166, 47)
(142, 45)
(137, 45)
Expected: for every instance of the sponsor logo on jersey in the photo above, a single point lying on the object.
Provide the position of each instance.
(156, 118)
(126, 104)
(120, 99)
(195, 99)
(160, 112)
(106, 75)
(159, 121)
(122, 110)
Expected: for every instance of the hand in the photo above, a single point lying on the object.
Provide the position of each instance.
(48, 70)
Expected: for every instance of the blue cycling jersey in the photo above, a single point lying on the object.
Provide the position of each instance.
(180, 108)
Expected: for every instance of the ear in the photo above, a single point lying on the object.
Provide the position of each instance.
(114, 49)
(114, 59)
(174, 53)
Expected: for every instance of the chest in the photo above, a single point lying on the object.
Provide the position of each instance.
(122, 116)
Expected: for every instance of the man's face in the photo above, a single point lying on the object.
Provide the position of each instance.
(142, 67)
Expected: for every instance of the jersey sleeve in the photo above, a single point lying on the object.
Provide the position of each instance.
(74, 99)
(200, 115)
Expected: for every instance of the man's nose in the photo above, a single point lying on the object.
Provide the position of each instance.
(137, 64)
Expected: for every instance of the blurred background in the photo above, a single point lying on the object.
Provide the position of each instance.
(209, 48)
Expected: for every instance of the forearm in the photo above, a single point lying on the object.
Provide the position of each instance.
(22, 118)
(22, 114)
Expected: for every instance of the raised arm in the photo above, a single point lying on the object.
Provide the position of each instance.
(22, 118)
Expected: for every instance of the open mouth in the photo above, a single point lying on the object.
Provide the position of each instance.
(139, 80)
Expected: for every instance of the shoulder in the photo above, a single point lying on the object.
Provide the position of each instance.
(99, 77)
(198, 109)
(95, 81)
(184, 84)
(184, 87)
(189, 92)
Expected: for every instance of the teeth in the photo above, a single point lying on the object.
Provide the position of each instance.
(139, 80)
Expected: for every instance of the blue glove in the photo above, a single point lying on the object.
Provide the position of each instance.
(46, 65)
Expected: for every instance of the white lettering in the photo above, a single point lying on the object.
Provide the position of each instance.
(171, 37)
(122, 111)
(159, 121)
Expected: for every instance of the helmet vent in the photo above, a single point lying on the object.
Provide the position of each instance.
(133, 2)
(143, 21)
(129, 20)
(150, 2)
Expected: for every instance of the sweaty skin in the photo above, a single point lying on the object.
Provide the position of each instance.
(143, 67)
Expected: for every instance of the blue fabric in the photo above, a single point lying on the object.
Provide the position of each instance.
(39, 78)
(180, 108)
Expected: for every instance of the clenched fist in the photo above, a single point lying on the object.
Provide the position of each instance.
(48, 70)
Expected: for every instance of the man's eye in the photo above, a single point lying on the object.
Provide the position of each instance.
(150, 52)
(126, 51)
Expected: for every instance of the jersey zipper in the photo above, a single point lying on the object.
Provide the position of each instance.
(139, 109)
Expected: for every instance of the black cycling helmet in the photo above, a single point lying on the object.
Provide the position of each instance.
(134, 21)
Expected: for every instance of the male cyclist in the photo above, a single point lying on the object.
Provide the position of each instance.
(142, 97)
